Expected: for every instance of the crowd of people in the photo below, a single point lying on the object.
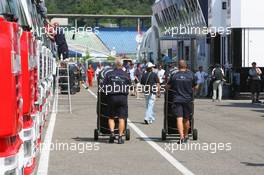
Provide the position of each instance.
(209, 84)
(156, 79)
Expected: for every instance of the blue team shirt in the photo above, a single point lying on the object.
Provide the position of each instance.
(118, 82)
(182, 84)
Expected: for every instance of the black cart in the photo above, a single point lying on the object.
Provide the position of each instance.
(102, 111)
(170, 121)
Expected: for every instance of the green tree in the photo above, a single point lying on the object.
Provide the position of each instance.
(100, 6)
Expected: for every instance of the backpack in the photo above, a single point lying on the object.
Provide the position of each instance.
(218, 75)
(145, 81)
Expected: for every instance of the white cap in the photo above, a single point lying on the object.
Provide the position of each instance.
(150, 65)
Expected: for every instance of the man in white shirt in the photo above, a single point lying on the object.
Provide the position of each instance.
(201, 77)
(99, 68)
(132, 72)
(218, 80)
(161, 74)
(132, 77)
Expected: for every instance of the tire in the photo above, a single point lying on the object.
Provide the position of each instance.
(195, 134)
(163, 135)
(128, 134)
(96, 134)
(78, 89)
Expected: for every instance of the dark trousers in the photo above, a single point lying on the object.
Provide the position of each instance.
(255, 89)
(210, 89)
(63, 51)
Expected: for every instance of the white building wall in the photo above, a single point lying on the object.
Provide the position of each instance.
(217, 16)
(253, 44)
(247, 13)
(244, 14)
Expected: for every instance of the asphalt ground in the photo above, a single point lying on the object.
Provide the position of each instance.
(230, 141)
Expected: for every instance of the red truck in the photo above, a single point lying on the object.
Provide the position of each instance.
(11, 120)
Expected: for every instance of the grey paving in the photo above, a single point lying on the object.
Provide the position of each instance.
(236, 122)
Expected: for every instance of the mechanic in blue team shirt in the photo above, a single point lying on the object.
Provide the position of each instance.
(117, 89)
(182, 86)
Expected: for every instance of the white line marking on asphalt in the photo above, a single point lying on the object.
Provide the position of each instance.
(158, 148)
(45, 151)
(93, 94)
(164, 153)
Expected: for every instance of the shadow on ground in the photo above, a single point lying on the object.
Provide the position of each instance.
(242, 105)
(253, 164)
(159, 140)
(136, 122)
(91, 139)
(261, 111)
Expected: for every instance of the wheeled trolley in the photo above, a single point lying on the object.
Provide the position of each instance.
(170, 121)
(102, 112)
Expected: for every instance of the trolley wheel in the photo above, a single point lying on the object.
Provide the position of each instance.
(96, 134)
(128, 134)
(163, 135)
(195, 134)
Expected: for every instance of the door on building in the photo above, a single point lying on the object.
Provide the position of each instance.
(180, 49)
(187, 53)
(216, 50)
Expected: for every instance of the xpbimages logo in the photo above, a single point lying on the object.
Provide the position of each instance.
(82, 31)
(189, 30)
(80, 148)
(212, 148)
(116, 88)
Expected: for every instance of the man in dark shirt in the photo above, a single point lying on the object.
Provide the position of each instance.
(61, 42)
(117, 89)
(181, 84)
(151, 84)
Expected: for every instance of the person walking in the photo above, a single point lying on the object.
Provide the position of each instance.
(144, 65)
(161, 74)
(201, 77)
(90, 75)
(181, 84)
(138, 76)
(117, 83)
(83, 74)
(132, 78)
(210, 82)
(218, 78)
(99, 68)
(151, 84)
(255, 82)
